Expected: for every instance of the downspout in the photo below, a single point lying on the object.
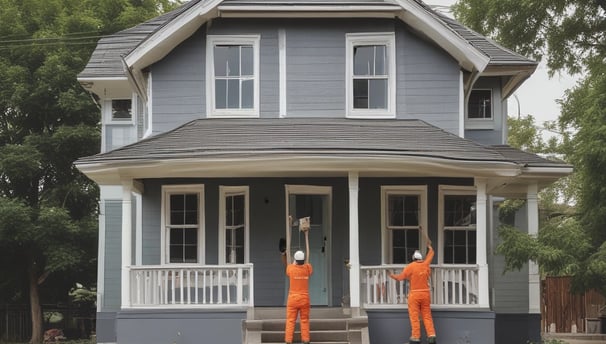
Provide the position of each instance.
(130, 75)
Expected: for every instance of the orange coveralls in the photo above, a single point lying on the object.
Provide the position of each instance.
(419, 298)
(298, 300)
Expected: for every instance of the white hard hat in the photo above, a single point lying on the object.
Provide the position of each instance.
(299, 255)
(417, 255)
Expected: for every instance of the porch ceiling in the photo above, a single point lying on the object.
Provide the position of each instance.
(322, 147)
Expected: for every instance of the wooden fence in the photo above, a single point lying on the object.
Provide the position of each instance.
(563, 308)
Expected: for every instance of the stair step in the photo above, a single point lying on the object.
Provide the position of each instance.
(314, 324)
(317, 336)
(315, 313)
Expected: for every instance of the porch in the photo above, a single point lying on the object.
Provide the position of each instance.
(232, 286)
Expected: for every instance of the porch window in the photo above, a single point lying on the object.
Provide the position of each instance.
(234, 225)
(233, 75)
(459, 232)
(404, 209)
(182, 220)
(371, 75)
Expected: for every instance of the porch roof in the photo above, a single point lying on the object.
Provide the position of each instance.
(281, 145)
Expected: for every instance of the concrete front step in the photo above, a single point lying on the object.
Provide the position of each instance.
(327, 326)
(316, 336)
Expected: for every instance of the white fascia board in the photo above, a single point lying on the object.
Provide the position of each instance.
(169, 36)
(468, 56)
(299, 165)
(547, 172)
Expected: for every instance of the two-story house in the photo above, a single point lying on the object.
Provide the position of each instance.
(374, 117)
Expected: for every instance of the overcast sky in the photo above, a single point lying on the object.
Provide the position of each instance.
(538, 94)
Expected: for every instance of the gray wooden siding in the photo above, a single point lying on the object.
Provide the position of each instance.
(427, 82)
(178, 85)
(509, 290)
(427, 78)
(113, 255)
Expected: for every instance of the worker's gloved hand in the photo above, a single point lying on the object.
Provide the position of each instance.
(282, 245)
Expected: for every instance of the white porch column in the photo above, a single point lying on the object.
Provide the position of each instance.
(534, 279)
(481, 230)
(354, 247)
(127, 231)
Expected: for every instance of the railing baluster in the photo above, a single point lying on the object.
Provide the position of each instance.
(196, 284)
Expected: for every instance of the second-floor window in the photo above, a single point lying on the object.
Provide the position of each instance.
(233, 76)
(480, 105)
(371, 75)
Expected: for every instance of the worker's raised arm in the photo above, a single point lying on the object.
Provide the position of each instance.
(425, 236)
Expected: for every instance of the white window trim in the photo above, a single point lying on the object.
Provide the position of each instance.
(414, 190)
(107, 111)
(225, 191)
(376, 38)
(211, 41)
(481, 123)
(176, 189)
(446, 190)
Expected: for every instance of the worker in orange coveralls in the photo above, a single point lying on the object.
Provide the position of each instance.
(298, 295)
(419, 298)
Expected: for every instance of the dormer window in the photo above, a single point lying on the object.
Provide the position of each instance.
(233, 76)
(480, 105)
(121, 110)
(371, 75)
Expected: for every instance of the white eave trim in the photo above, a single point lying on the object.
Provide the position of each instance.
(169, 36)
(182, 27)
(552, 172)
(467, 55)
(300, 165)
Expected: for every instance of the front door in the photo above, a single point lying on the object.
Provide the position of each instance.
(315, 202)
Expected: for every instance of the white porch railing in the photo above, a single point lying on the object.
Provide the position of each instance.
(192, 286)
(451, 285)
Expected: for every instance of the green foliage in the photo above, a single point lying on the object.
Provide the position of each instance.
(47, 120)
(568, 33)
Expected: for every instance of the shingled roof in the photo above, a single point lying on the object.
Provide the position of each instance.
(105, 62)
(265, 137)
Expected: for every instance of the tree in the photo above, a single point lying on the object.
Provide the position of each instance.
(47, 120)
(570, 34)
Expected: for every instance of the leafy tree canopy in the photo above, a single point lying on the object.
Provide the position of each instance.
(568, 33)
(47, 121)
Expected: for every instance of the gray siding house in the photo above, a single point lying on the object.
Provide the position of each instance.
(223, 118)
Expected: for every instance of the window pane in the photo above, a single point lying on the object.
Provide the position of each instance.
(221, 55)
(221, 94)
(403, 210)
(190, 254)
(233, 60)
(248, 93)
(360, 93)
(176, 254)
(191, 236)
(121, 109)
(381, 65)
(479, 105)
(191, 206)
(364, 60)
(400, 256)
(177, 212)
(233, 94)
(247, 60)
(471, 247)
(176, 236)
(378, 94)
(459, 210)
